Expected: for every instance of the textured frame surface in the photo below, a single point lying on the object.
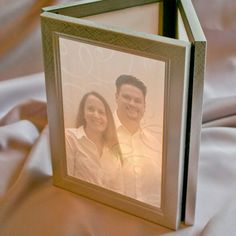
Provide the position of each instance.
(176, 54)
(195, 101)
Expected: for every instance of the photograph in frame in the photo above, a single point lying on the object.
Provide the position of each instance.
(132, 163)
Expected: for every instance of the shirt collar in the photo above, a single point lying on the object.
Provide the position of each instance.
(119, 125)
(117, 121)
(80, 133)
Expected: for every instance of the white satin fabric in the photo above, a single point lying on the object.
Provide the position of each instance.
(31, 205)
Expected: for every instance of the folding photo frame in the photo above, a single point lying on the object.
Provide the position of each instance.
(91, 49)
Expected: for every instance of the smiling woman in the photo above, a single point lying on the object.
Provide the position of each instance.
(92, 148)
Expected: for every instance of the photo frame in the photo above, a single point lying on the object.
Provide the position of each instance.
(89, 50)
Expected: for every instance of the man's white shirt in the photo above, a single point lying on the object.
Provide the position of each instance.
(141, 155)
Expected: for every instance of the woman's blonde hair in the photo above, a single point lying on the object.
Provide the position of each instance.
(110, 134)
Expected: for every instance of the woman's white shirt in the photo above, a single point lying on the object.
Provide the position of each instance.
(85, 163)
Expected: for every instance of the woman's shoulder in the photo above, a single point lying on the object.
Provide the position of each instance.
(70, 130)
(74, 132)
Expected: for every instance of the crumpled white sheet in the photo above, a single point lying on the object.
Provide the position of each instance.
(31, 205)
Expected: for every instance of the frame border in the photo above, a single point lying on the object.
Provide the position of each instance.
(196, 84)
(177, 55)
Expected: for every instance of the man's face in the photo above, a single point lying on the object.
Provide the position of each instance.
(130, 102)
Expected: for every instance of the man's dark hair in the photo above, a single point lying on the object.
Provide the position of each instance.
(132, 80)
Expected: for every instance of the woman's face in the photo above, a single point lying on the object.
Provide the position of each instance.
(95, 114)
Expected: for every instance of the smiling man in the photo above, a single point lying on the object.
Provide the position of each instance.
(141, 160)
(130, 98)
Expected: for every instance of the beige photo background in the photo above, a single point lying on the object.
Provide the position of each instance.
(85, 67)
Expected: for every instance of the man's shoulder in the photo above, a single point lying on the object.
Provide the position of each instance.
(152, 135)
(151, 129)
